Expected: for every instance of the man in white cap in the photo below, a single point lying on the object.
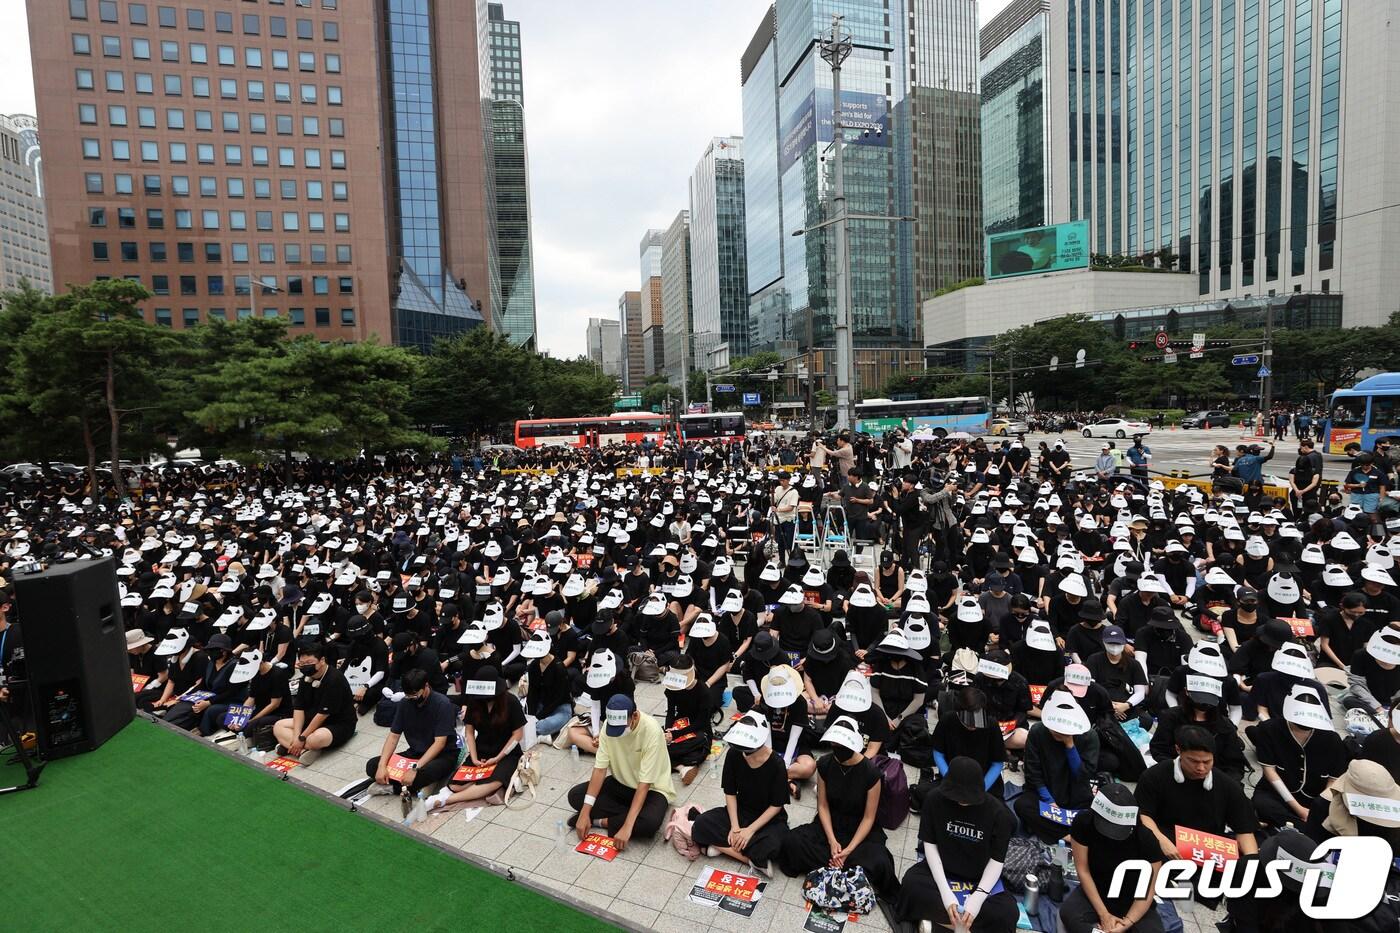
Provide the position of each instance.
(630, 788)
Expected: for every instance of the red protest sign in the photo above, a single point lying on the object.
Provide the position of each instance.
(401, 768)
(470, 774)
(598, 846)
(1007, 727)
(138, 682)
(729, 884)
(1205, 848)
(1302, 628)
(283, 764)
(1037, 691)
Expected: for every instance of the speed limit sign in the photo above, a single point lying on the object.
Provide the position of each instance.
(1161, 340)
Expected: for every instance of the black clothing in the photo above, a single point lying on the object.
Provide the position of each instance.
(1106, 854)
(1381, 746)
(755, 790)
(1188, 803)
(420, 726)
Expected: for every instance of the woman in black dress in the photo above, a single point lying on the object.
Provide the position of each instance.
(845, 833)
(495, 725)
(752, 824)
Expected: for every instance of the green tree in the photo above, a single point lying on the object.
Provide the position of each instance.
(94, 356)
(329, 401)
(1027, 351)
(474, 383)
(569, 388)
(27, 434)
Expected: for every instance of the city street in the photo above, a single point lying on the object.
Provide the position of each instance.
(1189, 450)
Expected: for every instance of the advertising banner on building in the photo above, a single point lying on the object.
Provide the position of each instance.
(1040, 249)
(865, 117)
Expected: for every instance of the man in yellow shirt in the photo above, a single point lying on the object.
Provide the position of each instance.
(632, 799)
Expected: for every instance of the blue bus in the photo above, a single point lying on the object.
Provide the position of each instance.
(1364, 414)
(939, 416)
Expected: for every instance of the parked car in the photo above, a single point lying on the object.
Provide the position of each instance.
(1206, 419)
(1005, 426)
(1116, 427)
(57, 468)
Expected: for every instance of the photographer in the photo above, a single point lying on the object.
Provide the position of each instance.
(913, 520)
(858, 498)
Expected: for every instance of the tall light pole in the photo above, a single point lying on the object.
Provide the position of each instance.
(834, 50)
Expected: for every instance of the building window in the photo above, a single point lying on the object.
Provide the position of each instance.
(126, 218)
(130, 252)
(191, 317)
(115, 81)
(347, 317)
(136, 14)
(157, 251)
(347, 285)
(77, 9)
(92, 181)
(97, 216)
(165, 16)
(188, 285)
(323, 317)
(99, 250)
(83, 79)
(111, 47)
(297, 316)
(163, 317)
(82, 44)
(213, 252)
(160, 284)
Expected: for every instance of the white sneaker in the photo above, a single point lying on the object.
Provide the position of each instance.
(712, 851)
(438, 800)
(767, 870)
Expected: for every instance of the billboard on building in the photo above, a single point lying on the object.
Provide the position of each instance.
(865, 117)
(1040, 249)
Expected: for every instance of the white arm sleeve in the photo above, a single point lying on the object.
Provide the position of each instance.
(793, 736)
(1139, 694)
(990, 874)
(935, 867)
(595, 716)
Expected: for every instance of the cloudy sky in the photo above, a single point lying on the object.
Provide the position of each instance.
(621, 97)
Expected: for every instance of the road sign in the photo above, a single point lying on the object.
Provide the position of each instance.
(1169, 357)
(1245, 359)
(1264, 372)
(1054, 363)
(1198, 343)
(753, 398)
(1161, 340)
(723, 387)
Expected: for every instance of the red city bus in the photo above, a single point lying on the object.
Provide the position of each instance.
(620, 428)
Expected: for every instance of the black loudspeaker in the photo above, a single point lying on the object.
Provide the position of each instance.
(75, 655)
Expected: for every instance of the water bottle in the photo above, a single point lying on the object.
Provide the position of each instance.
(728, 695)
(573, 754)
(559, 828)
(1032, 899)
(242, 744)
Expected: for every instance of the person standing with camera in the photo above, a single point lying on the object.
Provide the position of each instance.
(785, 499)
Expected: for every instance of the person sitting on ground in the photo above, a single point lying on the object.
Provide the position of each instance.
(605, 678)
(494, 727)
(547, 701)
(269, 697)
(751, 825)
(427, 721)
(1300, 755)
(630, 788)
(1187, 792)
(965, 731)
(689, 727)
(1383, 745)
(964, 832)
(1062, 755)
(1103, 837)
(324, 713)
(845, 833)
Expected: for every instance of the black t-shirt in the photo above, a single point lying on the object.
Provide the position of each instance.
(1084, 641)
(952, 739)
(264, 688)
(1380, 746)
(1382, 683)
(967, 838)
(846, 788)
(828, 675)
(709, 658)
(490, 737)
(1190, 804)
(795, 629)
(874, 724)
(689, 711)
(757, 789)
(549, 687)
(331, 695)
(422, 725)
(1118, 679)
(1343, 641)
(1105, 855)
(781, 722)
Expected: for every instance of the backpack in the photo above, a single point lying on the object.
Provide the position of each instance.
(914, 742)
(920, 791)
(894, 792)
(645, 670)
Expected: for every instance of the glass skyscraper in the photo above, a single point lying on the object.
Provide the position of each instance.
(908, 128)
(677, 318)
(1015, 137)
(719, 273)
(1206, 135)
(511, 157)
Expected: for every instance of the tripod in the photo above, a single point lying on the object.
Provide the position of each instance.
(32, 766)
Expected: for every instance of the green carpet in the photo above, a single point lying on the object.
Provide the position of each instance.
(155, 831)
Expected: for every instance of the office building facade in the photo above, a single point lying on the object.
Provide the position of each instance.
(676, 315)
(24, 236)
(718, 250)
(631, 348)
(654, 350)
(1016, 150)
(911, 152)
(603, 337)
(649, 254)
(1241, 141)
(512, 179)
(298, 160)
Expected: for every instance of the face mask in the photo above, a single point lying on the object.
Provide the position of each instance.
(1248, 607)
(307, 670)
(1113, 650)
